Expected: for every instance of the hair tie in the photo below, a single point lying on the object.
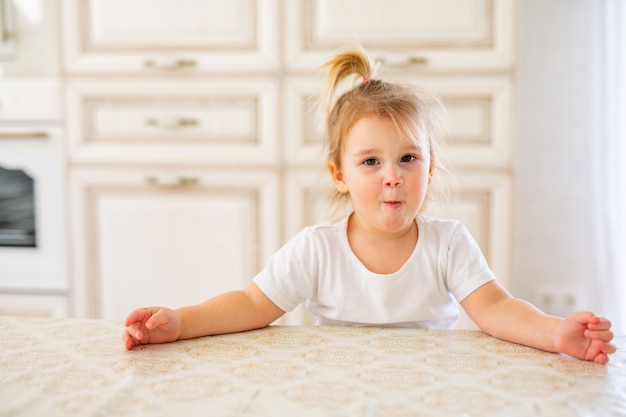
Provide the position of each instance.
(366, 79)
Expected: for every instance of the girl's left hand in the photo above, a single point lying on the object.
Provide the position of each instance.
(584, 335)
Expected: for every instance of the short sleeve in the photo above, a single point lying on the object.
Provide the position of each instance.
(290, 276)
(467, 268)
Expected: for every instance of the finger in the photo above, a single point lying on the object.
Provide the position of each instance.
(609, 348)
(601, 324)
(124, 337)
(128, 340)
(136, 315)
(134, 331)
(585, 317)
(601, 359)
(604, 335)
(141, 315)
(159, 318)
(131, 344)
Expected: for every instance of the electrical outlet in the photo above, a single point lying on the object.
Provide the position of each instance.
(560, 300)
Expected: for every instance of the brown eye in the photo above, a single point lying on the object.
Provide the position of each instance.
(408, 158)
(370, 161)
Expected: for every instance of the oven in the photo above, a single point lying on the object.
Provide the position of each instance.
(32, 167)
(32, 210)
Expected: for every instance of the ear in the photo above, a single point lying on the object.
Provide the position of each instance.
(337, 176)
(431, 171)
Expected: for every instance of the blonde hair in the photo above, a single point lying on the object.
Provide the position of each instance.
(419, 116)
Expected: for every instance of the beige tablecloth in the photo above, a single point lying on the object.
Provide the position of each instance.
(57, 367)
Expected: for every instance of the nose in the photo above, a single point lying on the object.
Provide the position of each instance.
(392, 178)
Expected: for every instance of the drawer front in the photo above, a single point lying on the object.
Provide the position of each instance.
(422, 34)
(190, 36)
(479, 109)
(208, 121)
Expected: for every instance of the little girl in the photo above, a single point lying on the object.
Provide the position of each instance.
(384, 264)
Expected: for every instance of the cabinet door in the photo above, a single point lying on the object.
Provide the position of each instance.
(143, 237)
(427, 35)
(479, 109)
(170, 36)
(166, 121)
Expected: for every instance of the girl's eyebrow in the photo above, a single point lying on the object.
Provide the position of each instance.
(373, 151)
(367, 152)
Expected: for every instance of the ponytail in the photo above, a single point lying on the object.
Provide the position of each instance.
(344, 66)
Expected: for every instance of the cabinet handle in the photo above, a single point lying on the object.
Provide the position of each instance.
(172, 123)
(6, 22)
(23, 135)
(169, 64)
(171, 181)
(401, 61)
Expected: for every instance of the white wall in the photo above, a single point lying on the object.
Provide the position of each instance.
(560, 104)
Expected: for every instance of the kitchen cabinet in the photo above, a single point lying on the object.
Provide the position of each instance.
(479, 110)
(170, 36)
(149, 236)
(194, 147)
(425, 35)
(466, 58)
(219, 120)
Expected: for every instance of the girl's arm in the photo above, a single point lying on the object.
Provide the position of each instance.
(582, 335)
(230, 312)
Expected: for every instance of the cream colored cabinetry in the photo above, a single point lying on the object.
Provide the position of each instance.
(173, 189)
(223, 121)
(429, 35)
(479, 108)
(150, 236)
(465, 57)
(176, 117)
(173, 149)
(160, 37)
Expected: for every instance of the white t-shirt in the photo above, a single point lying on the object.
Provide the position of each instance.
(318, 267)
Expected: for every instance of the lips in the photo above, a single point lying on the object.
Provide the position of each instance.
(393, 203)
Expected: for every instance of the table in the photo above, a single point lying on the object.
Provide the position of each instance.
(68, 367)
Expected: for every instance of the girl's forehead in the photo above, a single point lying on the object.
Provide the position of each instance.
(381, 130)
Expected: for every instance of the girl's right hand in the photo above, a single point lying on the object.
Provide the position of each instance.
(150, 325)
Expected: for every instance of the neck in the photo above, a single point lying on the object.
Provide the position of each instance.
(382, 253)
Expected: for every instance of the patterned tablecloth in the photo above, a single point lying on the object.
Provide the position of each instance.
(58, 367)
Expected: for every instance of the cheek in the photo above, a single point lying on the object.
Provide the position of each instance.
(420, 183)
(363, 188)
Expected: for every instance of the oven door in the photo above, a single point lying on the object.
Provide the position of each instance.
(40, 265)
